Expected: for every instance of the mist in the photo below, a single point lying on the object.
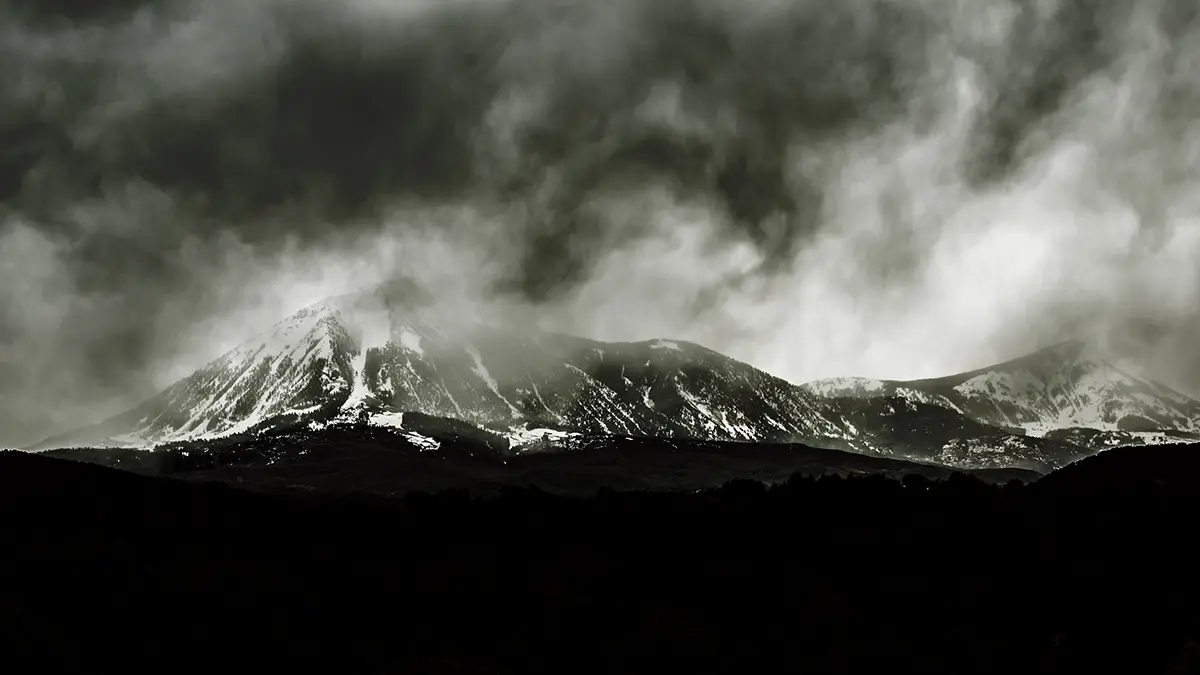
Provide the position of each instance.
(887, 188)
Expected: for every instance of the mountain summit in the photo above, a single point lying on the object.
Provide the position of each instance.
(1071, 389)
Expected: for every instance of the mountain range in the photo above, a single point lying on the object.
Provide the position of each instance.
(386, 357)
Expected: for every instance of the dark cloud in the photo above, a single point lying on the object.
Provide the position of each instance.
(67, 13)
(159, 156)
(1055, 48)
(352, 115)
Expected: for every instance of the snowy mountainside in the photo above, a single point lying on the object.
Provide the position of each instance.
(1068, 391)
(383, 358)
(906, 427)
(372, 357)
(298, 369)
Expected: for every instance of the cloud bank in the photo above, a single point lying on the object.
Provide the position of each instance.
(896, 188)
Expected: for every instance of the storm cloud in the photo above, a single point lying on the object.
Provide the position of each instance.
(896, 188)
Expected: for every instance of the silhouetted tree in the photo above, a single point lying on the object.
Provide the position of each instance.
(914, 481)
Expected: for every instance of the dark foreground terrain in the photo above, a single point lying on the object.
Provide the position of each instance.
(1090, 569)
(388, 462)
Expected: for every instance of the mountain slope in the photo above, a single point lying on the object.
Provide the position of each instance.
(1069, 392)
(298, 369)
(374, 356)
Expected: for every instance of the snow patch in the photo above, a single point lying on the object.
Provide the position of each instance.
(928, 399)
(646, 397)
(359, 392)
(775, 423)
(395, 420)
(481, 370)
(388, 420)
(520, 438)
(714, 420)
(376, 331)
(845, 386)
(424, 443)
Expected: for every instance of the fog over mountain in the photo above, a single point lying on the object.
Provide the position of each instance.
(888, 188)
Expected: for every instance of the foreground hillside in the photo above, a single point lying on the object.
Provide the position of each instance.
(113, 569)
(447, 453)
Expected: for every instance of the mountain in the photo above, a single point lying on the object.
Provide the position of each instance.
(300, 368)
(375, 355)
(1070, 392)
(345, 360)
(1171, 469)
(387, 356)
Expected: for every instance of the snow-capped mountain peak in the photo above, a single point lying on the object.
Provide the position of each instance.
(1068, 385)
(382, 353)
(297, 368)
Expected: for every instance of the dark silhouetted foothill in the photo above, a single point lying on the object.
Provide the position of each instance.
(1167, 468)
(832, 574)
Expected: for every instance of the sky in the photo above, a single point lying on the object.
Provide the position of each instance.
(889, 188)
